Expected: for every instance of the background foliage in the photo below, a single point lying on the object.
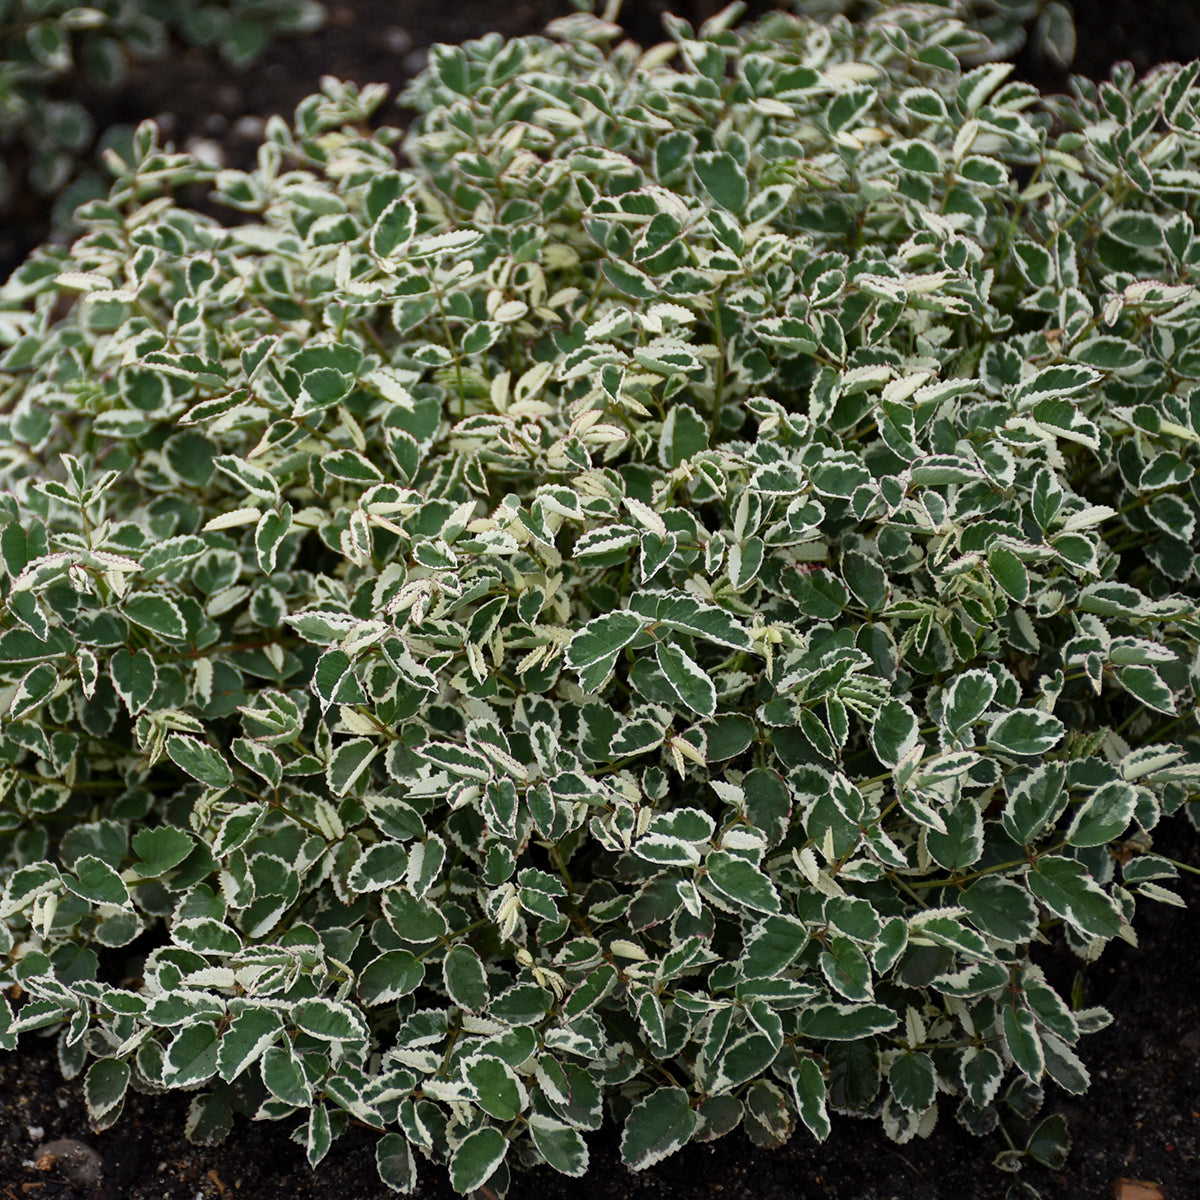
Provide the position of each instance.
(43, 42)
(660, 603)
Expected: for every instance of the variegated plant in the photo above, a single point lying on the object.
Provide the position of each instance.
(659, 605)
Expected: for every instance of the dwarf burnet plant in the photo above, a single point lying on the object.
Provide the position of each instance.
(656, 606)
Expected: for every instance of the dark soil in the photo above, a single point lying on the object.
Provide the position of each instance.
(1139, 1121)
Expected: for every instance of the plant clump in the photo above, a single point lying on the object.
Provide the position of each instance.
(657, 606)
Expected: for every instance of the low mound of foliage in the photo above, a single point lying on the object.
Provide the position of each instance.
(656, 607)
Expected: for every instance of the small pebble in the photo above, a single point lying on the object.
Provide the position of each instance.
(1136, 1189)
(206, 150)
(36, 1132)
(249, 128)
(415, 60)
(73, 1160)
(228, 97)
(397, 40)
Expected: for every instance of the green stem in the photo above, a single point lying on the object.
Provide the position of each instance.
(1182, 866)
(719, 370)
(458, 375)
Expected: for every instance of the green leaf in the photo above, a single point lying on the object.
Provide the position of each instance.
(744, 1058)
(269, 533)
(684, 434)
(97, 882)
(394, 228)
(659, 1124)
(167, 560)
(261, 484)
(476, 1158)
(389, 976)
(1146, 684)
(960, 844)
(320, 1134)
(1025, 733)
(329, 1021)
(1063, 1065)
(1058, 381)
(714, 624)
(919, 156)
(272, 718)
(35, 687)
(1113, 600)
(209, 1120)
(594, 648)
(135, 677)
(966, 700)
(1050, 1143)
(1021, 1038)
(157, 614)
(981, 1071)
(104, 1087)
(320, 389)
(820, 594)
(206, 935)
(913, 1080)
(1103, 816)
(560, 1145)
(465, 978)
(1064, 886)
(1035, 802)
(846, 968)
(1056, 39)
(894, 732)
(808, 1088)
(923, 103)
(691, 684)
(199, 760)
(867, 579)
(350, 760)
(729, 735)
(789, 334)
(395, 1163)
(768, 803)
(261, 760)
(191, 1057)
(672, 153)
(629, 280)
(1009, 572)
(498, 1091)
(1001, 909)
(162, 848)
(284, 1077)
(449, 64)
(740, 883)
(722, 178)
(846, 1022)
(351, 466)
(246, 1040)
